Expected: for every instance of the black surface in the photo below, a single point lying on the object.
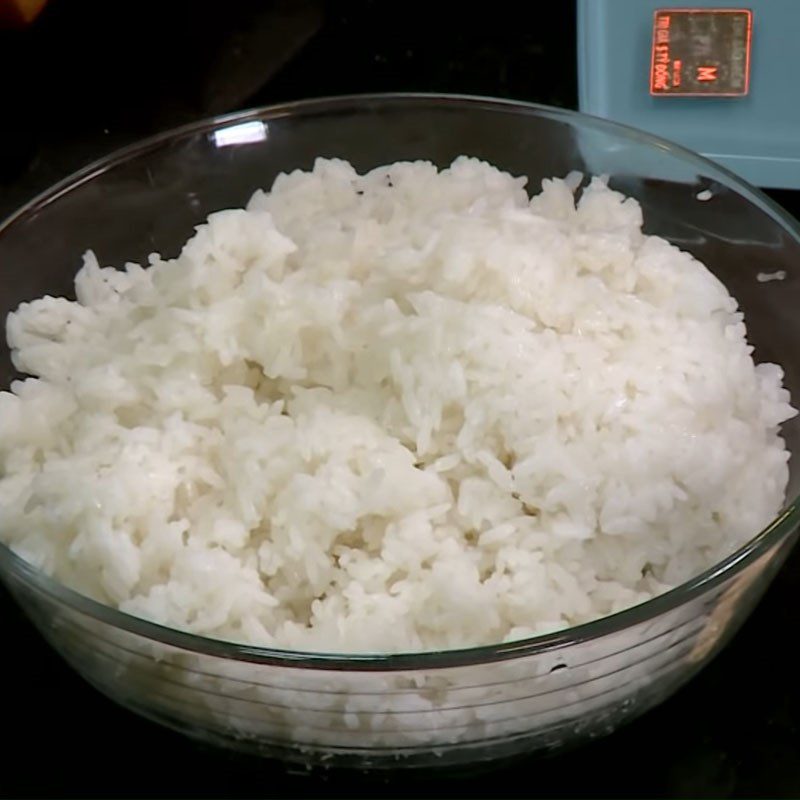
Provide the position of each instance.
(87, 78)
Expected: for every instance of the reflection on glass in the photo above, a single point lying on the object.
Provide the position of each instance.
(243, 133)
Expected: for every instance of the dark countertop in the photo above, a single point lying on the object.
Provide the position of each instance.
(90, 77)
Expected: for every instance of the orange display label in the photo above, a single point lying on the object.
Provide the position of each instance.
(700, 52)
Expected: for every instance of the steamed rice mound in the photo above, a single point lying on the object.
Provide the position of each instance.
(403, 411)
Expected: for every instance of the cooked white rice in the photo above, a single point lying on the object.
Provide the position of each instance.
(403, 411)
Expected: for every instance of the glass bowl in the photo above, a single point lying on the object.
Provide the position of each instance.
(428, 709)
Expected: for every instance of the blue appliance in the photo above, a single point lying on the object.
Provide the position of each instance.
(719, 78)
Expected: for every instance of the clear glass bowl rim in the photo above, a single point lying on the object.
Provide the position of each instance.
(770, 537)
